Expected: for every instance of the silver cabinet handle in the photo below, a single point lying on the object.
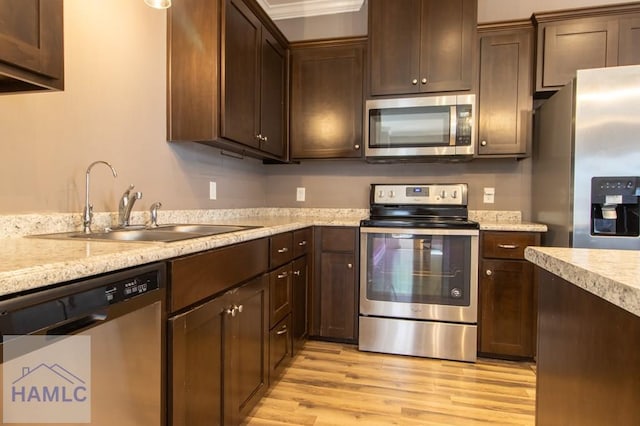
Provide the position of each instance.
(283, 275)
(349, 265)
(265, 139)
(302, 243)
(356, 147)
(414, 81)
(483, 143)
(297, 273)
(489, 272)
(232, 310)
(240, 308)
(423, 81)
(282, 331)
(283, 250)
(508, 246)
(259, 137)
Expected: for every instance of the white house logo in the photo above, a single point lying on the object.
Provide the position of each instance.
(46, 379)
(48, 383)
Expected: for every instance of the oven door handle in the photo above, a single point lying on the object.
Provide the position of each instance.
(402, 236)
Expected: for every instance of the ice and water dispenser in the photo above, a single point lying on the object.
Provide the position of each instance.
(614, 206)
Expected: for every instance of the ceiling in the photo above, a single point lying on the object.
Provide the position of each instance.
(287, 9)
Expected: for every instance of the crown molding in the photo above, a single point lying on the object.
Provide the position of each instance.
(304, 8)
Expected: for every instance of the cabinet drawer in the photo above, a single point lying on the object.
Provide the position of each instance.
(340, 239)
(280, 347)
(202, 275)
(281, 249)
(301, 242)
(279, 294)
(507, 245)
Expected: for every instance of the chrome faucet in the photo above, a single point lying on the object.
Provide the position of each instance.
(127, 201)
(87, 216)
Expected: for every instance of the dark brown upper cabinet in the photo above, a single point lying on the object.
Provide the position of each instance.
(505, 97)
(421, 46)
(31, 45)
(585, 38)
(227, 78)
(327, 86)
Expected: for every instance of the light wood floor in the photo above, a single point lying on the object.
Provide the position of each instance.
(333, 384)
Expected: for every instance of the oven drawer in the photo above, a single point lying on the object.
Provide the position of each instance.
(506, 244)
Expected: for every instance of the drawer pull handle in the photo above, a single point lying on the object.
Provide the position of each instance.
(489, 272)
(508, 246)
(283, 331)
(283, 250)
(349, 265)
(297, 273)
(283, 275)
(302, 243)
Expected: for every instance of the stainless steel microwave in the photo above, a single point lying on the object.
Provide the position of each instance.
(420, 128)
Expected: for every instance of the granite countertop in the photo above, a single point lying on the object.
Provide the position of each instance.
(613, 275)
(29, 263)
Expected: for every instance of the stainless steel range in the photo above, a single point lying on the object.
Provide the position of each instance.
(419, 272)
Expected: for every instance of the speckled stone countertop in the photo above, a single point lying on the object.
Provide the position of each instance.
(613, 275)
(30, 263)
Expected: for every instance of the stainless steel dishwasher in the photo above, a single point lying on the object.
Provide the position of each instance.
(123, 313)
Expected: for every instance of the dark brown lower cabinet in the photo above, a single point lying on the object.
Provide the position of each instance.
(507, 308)
(300, 319)
(219, 365)
(335, 294)
(588, 363)
(280, 347)
(507, 295)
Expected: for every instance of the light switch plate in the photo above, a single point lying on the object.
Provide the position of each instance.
(213, 191)
(300, 194)
(489, 195)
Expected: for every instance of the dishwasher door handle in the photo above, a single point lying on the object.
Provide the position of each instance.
(78, 324)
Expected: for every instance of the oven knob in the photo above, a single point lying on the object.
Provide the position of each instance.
(392, 194)
(381, 194)
(454, 194)
(443, 194)
(456, 293)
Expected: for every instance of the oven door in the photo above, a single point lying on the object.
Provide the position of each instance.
(428, 274)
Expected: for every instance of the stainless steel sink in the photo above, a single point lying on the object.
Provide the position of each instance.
(202, 229)
(163, 233)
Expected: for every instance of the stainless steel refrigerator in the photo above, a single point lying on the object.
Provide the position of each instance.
(586, 161)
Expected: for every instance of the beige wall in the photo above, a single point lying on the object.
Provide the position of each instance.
(113, 108)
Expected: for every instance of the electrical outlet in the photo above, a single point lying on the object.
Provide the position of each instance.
(213, 191)
(300, 194)
(489, 195)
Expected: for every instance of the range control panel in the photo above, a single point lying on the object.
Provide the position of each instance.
(420, 194)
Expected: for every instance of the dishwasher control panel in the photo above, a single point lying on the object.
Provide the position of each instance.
(132, 287)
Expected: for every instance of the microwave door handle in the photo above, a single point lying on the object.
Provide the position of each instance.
(453, 125)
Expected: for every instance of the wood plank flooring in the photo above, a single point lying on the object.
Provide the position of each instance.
(334, 384)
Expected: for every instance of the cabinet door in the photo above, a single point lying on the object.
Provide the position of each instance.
(279, 294)
(195, 388)
(323, 123)
(300, 301)
(628, 51)
(280, 348)
(394, 46)
(567, 47)
(246, 352)
(507, 311)
(505, 95)
(446, 51)
(31, 44)
(241, 74)
(272, 98)
(338, 302)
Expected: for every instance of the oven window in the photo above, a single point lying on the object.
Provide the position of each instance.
(424, 269)
(409, 127)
